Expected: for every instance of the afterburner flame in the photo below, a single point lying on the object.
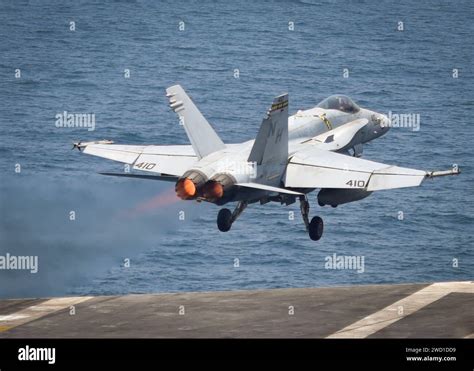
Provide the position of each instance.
(161, 200)
(185, 188)
(213, 190)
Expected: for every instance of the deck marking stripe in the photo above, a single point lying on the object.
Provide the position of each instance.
(12, 317)
(410, 304)
(37, 311)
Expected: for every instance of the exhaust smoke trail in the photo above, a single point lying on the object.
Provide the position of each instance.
(73, 229)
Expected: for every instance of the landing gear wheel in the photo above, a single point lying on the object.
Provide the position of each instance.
(315, 228)
(224, 220)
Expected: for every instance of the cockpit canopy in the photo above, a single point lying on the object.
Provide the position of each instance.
(341, 103)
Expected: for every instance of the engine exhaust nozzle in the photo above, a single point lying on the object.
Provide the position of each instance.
(185, 188)
(189, 186)
(213, 190)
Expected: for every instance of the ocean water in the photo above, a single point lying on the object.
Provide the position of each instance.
(127, 236)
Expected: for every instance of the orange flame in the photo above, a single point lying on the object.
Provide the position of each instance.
(213, 190)
(163, 199)
(185, 188)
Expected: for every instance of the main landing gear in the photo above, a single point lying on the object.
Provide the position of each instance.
(316, 226)
(225, 218)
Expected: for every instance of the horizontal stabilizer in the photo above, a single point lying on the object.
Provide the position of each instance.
(269, 188)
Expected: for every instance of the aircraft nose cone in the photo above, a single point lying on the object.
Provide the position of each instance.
(385, 122)
(380, 123)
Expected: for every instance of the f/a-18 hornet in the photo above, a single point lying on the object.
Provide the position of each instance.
(291, 156)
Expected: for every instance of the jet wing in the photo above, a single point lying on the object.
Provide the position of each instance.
(121, 153)
(318, 168)
(265, 187)
(170, 160)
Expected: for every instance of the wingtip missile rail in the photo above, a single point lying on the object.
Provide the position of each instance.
(434, 174)
(81, 145)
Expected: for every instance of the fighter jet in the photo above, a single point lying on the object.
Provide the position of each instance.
(318, 148)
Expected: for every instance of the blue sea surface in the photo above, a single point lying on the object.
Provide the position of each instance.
(128, 237)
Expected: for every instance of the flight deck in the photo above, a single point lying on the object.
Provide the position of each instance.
(440, 310)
